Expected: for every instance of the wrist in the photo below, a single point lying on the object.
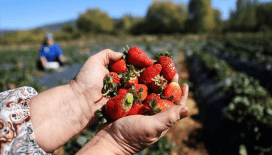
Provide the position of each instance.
(101, 145)
(85, 102)
(57, 116)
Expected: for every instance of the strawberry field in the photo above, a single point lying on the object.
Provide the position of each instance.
(233, 89)
(230, 79)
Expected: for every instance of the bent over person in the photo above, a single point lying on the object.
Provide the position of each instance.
(51, 55)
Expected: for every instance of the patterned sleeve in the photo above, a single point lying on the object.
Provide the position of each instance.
(15, 123)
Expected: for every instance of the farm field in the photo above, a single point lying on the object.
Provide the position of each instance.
(230, 99)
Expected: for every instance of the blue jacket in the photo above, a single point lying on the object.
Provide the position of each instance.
(51, 52)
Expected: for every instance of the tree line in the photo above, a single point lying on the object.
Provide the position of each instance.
(250, 16)
(161, 17)
(164, 17)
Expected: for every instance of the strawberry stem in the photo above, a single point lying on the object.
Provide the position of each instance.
(106, 93)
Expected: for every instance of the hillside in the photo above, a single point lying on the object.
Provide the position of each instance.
(52, 27)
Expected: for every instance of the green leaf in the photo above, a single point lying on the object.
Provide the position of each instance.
(242, 150)
(154, 104)
(171, 98)
(108, 78)
(81, 140)
(99, 114)
(99, 110)
(103, 120)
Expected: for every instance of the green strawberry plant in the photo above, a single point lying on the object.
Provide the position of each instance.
(249, 104)
(162, 147)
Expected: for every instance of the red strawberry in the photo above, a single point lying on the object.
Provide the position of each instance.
(119, 106)
(122, 91)
(149, 73)
(160, 105)
(151, 98)
(158, 84)
(119, 66)
(135, 56)
(130, 82)
(111, 83)
(173, 92)
(138, 109)
(144, 91)
(116, 79)
(128, 78)
(168, 67)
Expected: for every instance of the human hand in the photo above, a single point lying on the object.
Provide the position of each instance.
(90, 77)
(131, 134)
(60, 113)
(63, 58)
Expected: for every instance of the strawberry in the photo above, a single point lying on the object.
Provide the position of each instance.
(128, 78)
(111, 83)
(122, 91)
(158, 84)
(116, 79)
(138, 109)
(168, 67)
(149, 73)
(151, 98)
(173, 92)
(160, 105)
(143, 89)
(119, 106)
(136, 57)
(130, 82)
(118, 66)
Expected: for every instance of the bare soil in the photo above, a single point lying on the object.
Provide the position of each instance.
(186, 132)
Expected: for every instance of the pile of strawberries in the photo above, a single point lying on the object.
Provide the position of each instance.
(138, 85)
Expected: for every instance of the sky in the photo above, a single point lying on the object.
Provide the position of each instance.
(29, 14)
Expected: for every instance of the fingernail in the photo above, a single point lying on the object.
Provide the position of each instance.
(183, 113)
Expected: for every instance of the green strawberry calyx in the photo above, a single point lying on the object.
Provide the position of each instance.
(161, 54)
(101, 114)
(110, 88)
(153, 106)
(171, 98)
(126, 49)
(128, 74)
(137, 95)
(160, 82)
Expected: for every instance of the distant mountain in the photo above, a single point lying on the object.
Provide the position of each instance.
(2, 31)
(55, 27)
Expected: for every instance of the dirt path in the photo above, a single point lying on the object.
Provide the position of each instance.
(185, 131)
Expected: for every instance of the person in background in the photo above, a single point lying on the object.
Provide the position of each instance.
(51, 55)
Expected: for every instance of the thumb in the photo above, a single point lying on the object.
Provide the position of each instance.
(170, 116)
(106, 55)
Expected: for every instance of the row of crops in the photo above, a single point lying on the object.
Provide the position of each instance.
(235, 107)
(248, 60)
